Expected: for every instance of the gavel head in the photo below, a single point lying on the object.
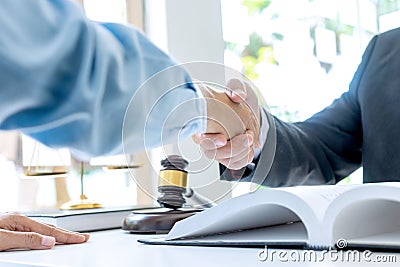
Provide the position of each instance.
(172, 182)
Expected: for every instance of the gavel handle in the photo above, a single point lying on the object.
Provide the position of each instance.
(199, 199)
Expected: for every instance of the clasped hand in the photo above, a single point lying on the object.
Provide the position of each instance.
(233, 131)
(233, 124)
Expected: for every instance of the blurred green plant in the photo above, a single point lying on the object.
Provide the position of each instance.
(260, 49)
(386, 6)
(256, 6)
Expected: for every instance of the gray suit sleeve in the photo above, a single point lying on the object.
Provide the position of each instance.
(321, 150)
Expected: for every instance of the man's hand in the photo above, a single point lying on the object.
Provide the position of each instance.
(234, 154)
(227, 117)
(234, 151)
(20, 232)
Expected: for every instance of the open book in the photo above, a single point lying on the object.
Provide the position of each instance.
(319, 217)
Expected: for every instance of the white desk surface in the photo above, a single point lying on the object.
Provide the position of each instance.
(118, 248)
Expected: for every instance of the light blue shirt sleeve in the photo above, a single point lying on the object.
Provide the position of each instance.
(68, 82)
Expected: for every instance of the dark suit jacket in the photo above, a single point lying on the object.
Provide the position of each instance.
(361, 128)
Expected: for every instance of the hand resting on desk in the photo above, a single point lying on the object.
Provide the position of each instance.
(20, 232)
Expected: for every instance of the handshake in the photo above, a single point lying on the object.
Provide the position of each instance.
(233, 124)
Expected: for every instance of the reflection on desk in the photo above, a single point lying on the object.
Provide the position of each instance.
(119, 248)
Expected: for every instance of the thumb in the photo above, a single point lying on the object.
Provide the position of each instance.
(236, 90)
(236, 95)
(24, 240)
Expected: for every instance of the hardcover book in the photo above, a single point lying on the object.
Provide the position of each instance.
(316, 217)
(84, 220)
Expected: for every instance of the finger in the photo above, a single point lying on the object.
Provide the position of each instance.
(256, 132)
(229, 153)
(243, 156)
(196, 138)
(245, 94)
(212, 141)
(23, 223)
(86, 235)
(237, 164)
(205, 90)
(236, 90)
(256, 140)
(30, 240)
(218, 140)
(253, 125)
(237, 96)
(211, 154)
(238, 145)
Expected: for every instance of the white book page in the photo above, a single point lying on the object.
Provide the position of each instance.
(220, 221)
(370, 209)
(318, 198)
(261, 208)
(284, 233)
(391, 239)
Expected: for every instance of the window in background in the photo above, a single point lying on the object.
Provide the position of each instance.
(110, 188)
(302, 54)
(300, 51)
(106, 10)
